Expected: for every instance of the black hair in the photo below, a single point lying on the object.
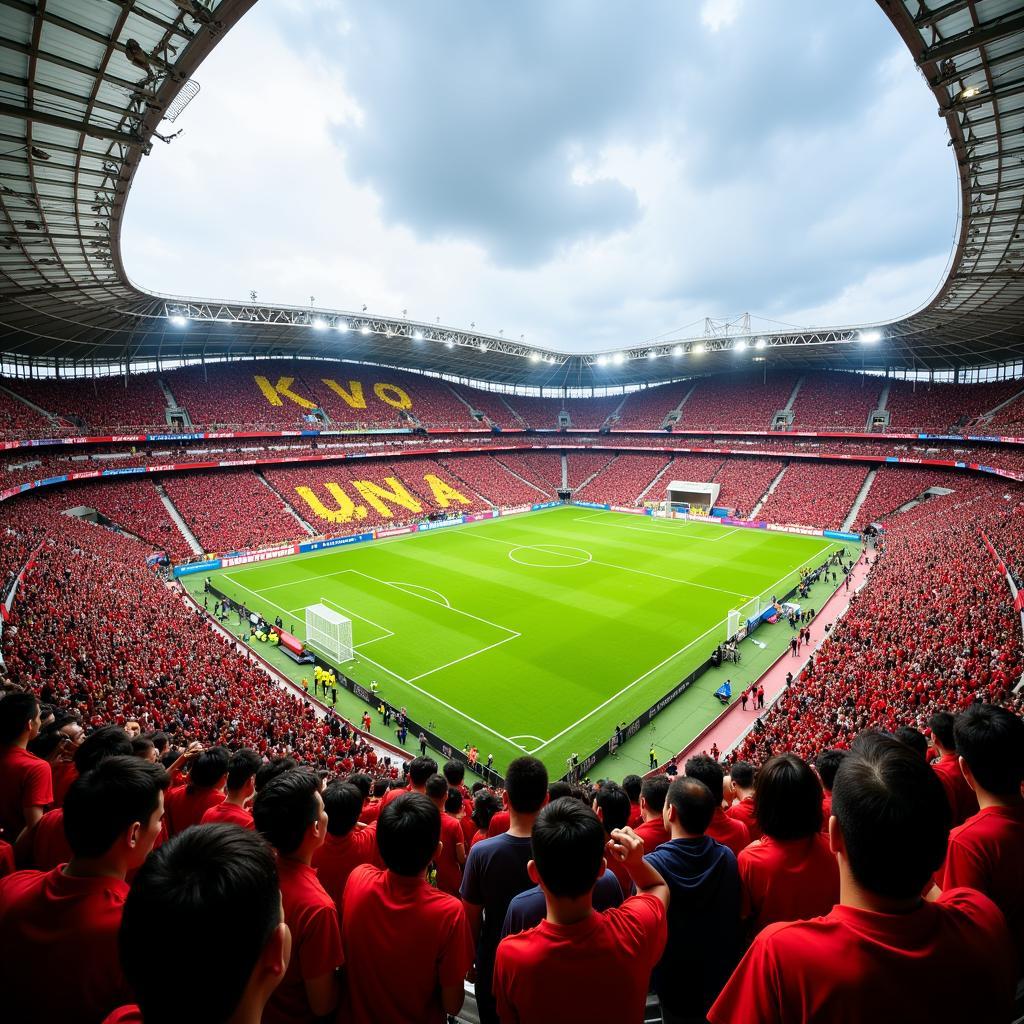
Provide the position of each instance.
(243, 766)
(361, 781)
(654, 791)
(436, 787)
(558, 789)
(420, 769)
(710, 772)
(485, 806)
(142, 746)
(285, 808)
(568, 847)
(454, 771)
(694, 803)
(991, 740)
(16, 711)
(827, 763)
(47, 743)
(343, 803)
(453, 802)
(526, 783)
(408, 831)
(270, 770)
(160, 740)
(941, 725)
(787, 803)
(632, 784)
(913, 738)
(614, 804)
(380, 787)
(742, 774)
(106, 741)
(191, 887)
(894, 816)
(209, 768)
(102, 803)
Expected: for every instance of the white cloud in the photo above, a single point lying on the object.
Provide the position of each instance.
(719, 14)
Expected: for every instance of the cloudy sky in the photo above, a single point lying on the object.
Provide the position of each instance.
(585, 174)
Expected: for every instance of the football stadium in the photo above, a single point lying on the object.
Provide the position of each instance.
(384, 668)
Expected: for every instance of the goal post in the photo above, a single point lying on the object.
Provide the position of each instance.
(329, 632)
(733, 626)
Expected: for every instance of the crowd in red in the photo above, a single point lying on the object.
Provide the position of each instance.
(745, 401)
(815, 494)
(894, 486)
(485, 475)
(625, 479)
(941, 408)
(647, 408)
(836, 401)
(745, 481)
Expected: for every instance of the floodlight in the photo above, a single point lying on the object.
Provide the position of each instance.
(678, 350)
(534, 357)
(618, 359)
(450, 343)
(342, 326)
(870, 337)
(178, 320)
(319, 325)
(970, 92)
(740, 346)
(652, 354)
(760, 343)
(364, 329)
(601, 360)
(417, 335)
(483, 348)
(699, 348)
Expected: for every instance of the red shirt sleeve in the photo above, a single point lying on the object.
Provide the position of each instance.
(320, 951)
(751, 994)
(38, 787)
(457, 951)
(504, 970)
(963, 868)
(642, 927)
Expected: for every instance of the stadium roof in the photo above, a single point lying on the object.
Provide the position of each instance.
(86, 85)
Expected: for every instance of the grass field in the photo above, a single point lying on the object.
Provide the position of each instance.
(533, 633)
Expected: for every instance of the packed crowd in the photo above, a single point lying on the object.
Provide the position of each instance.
(737, 401)
(625, 479)
(895, 486)
(647, 408)
(938, 408)
(867, 885)
(836, 401)
(815, 494)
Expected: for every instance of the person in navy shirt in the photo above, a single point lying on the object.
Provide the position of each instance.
(529, 909)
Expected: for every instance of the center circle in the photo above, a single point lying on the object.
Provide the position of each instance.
(550, 556)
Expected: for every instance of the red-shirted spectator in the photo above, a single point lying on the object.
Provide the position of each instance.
(790, 873)
(579, 965)
(194, 885)
(962, 801)
(241, 787)
(986, 852)
(289, 812)
(723, 829)
(611, 805)
(393, 917)
(883, 954)
(44, 846)
(741, 787)
(652, 806)
(826, 764)
(346, 846)
(186, 804)
(70, 916)
(452, 855)
(25, 780)
(632, 784)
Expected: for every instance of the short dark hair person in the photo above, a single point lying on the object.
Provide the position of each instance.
(408, 831)
(693, 802)
(990, 739)
(709, 771)
(568, 847)
(526, 783)
(286, 807)
(787, 802)
(343, 803)
(16, 711)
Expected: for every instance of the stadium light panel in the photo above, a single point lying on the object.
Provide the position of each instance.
(652, 354)
(178, 320)
(760, 343)
(678, 350)
(970, 92)
(450, 343)
(319, 325)
(618, 359)
(740, 346)
(343, 327)
(602, 360)
(699, 348)
(417, 335)
(534, 357)
(870, 337)
(483, 348)
(364, 329)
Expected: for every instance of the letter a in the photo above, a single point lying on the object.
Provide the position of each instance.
(444, 494)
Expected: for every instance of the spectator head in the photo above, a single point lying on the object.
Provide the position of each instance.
(362, 782)
(941, 726)
(19, 718)
(914, 738)
(990, 742)
(436, 787)
(611, 805)
(161, 741)
(526, 785)
(47, 744)
(787, 803)
(742, 775)
(270, 770)
(827, 764)
(485, 806)
(132, 728)
(453, 803)
(210, 769)
(113, 812)
(180, 899)
(707, 770)
(289, 811)
(343, 803)
(420, 769)
(242, 769)
(557, 790)
(144, 748)
(409, 834)
(689, 806)
(380, 787)
(632, 785)
(454, 772)
(891, 817)
(106, 741)
(652, 796)
(568, 849)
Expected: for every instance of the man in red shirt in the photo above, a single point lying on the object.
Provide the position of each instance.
(652, 808)
(741, 786)
(26, 785)
(345, 846)
(289, 812)
(579, 965)
(70, 916)
(195, 885)
(826, 765)
(612, 807)
(452, 854)
(986, 852)
(632, 784)
(883, 954)
(204, 789)
(394, 917)
(44, 846)
(962, 801)
(723, 829)
(241, 786)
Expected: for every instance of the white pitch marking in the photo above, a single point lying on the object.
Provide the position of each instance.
(473, 654)
(415, 586)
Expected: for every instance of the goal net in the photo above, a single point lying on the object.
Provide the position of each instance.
(329, 632)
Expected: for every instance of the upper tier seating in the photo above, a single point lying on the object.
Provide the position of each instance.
(744, 482)
(581, 465)
(647, 409)
(543, 469)
(20, 420)
(815, 494)
(894, 486)
(943, 408)
(741, 401)
(113, 403)
(836, 401)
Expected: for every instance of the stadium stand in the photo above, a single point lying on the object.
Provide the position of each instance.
(943, 408)
(624, 479)
(894, 486)
(486, 476)
(647, 408)
(744, 482)
(815, 494)
(835, 401)
(20, 420)
(542, 469)
(737, 401)
(580, 466)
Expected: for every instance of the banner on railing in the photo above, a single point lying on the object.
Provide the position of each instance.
(262, 555)
(193, 567)
(580, 504)
(334, 542)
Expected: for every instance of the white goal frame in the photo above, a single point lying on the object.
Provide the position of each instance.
(329, 632)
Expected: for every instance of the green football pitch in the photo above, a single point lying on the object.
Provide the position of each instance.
(534, 633)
